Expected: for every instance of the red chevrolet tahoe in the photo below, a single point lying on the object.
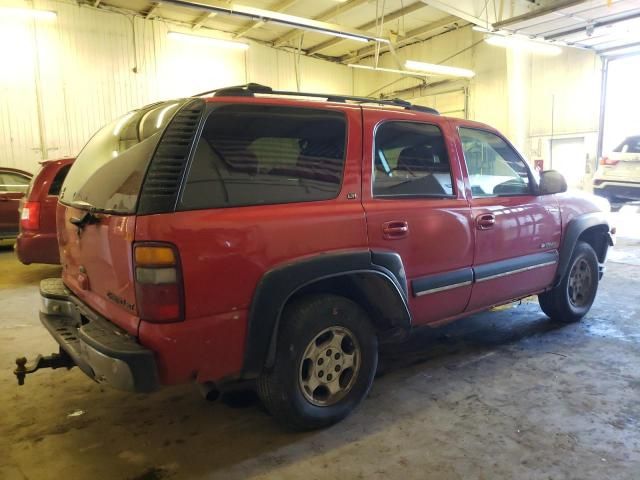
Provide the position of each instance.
(253, 235)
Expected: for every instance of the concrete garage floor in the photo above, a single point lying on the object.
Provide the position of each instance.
(506, 394)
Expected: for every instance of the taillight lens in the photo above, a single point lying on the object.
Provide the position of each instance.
(158, 277)
(608, 161)
(30, 216)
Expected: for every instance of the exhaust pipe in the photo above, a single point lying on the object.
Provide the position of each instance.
(209, 391)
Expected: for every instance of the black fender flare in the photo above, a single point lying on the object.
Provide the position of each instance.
(575, 228)
(279, 284)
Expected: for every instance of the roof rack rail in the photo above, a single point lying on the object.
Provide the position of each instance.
(250, 89)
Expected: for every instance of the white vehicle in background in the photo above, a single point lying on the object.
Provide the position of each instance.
(618, 175)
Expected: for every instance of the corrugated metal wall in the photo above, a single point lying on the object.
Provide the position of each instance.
(62, 80)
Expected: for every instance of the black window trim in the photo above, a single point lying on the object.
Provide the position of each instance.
(210, 107)
(429, 196)
(66, 167)
(533, 185)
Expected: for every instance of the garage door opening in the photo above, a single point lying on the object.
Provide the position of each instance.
(622, 103)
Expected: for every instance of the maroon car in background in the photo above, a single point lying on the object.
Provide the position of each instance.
(13, 185)
(37, 242)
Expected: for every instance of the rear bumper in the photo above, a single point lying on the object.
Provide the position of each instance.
(617, 189)
(37, 248)
(103, 351)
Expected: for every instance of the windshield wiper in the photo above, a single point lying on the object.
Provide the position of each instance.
(89, 218)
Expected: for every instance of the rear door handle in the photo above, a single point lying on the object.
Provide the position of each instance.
(485, 221)
(395, 229)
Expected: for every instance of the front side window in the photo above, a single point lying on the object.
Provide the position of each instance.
(410, 160)
(12, 182)
(262, 154)
(494, 167)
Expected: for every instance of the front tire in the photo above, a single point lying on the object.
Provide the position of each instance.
(573, 297)
(326, 358)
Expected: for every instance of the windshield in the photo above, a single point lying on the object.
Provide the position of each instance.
(630, 145)
(108, 173)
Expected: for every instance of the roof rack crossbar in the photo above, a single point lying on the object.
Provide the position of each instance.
(250, 89)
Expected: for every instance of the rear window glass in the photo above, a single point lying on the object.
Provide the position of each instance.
(58, 180)
(108, 173)
(630, 145)
(258, 154)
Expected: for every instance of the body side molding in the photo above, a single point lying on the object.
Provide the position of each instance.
(442, 281)
(511, 266)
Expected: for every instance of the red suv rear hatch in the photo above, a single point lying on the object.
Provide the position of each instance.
(97, 212)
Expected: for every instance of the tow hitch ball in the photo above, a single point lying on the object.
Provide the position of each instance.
(55, 360)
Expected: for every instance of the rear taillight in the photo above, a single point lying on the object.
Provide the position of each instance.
(158, 277)
(608, 161)
(30, 216)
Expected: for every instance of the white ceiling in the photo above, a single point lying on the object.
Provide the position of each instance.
(601, 25)
(609, 27)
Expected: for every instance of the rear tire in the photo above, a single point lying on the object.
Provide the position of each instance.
(573, 297)
(326, 358)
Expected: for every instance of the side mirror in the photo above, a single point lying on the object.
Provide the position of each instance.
(552, 181)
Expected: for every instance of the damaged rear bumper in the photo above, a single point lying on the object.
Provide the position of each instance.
(102, 350)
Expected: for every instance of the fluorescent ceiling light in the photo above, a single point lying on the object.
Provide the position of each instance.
(524, 44)
(389, 70)
(27, 13)
(438, 69)
(199, 39)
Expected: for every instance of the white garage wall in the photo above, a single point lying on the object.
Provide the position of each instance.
(64, 79)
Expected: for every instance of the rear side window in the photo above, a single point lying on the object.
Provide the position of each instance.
(630, 145)
(258, 155)
(410, 159)
(58, 180)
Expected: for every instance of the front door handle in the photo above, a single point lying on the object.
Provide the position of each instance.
(485, 221)
(394, 230)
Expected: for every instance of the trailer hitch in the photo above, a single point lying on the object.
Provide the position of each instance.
(55, 360)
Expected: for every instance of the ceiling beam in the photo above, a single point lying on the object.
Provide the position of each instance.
(538, 12)
(259, 14)
(367, 26)
(280, 7)
(451, 10)
(410, 35)
(201, 19)
(327, 15)
(595, 24)
(152, 10)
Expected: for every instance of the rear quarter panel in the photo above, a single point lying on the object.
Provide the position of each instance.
(224, 253)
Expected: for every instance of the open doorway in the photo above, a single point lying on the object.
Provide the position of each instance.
(622, 102)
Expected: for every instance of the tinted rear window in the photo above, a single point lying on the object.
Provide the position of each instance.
(257, 154)
(109, 170)
(630, 145)
(58, 180)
